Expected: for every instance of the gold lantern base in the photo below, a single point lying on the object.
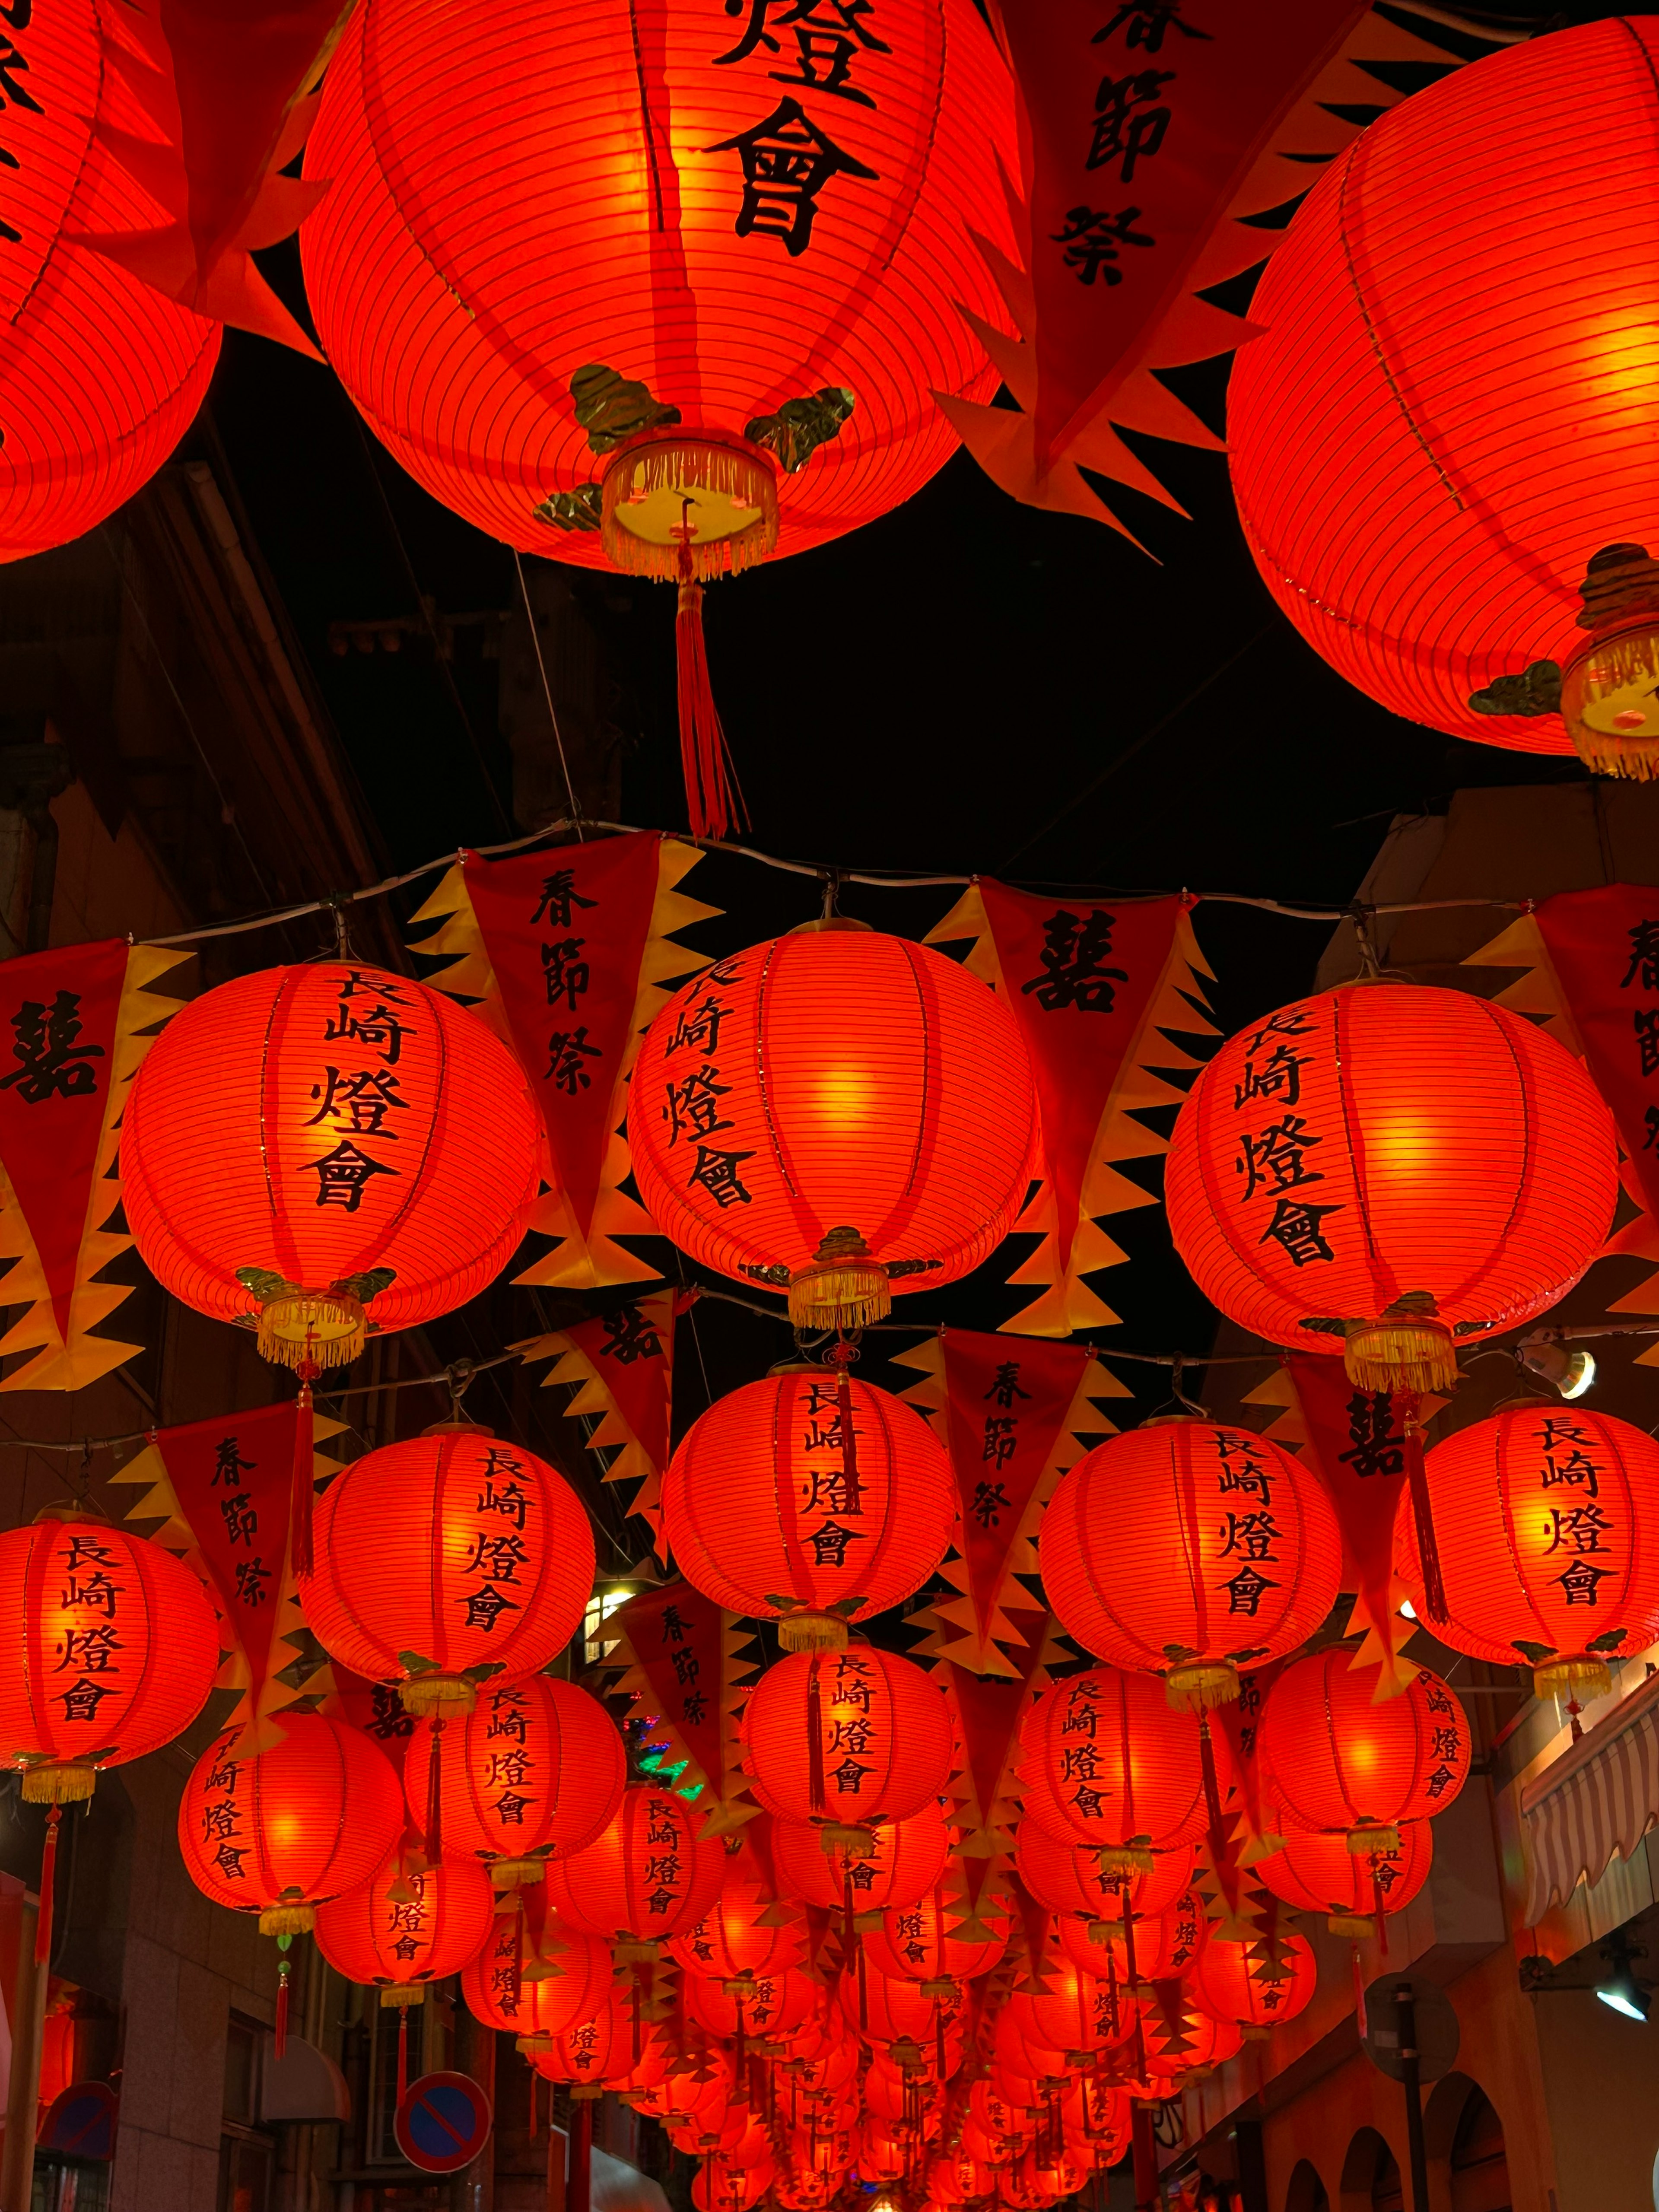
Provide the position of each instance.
(856, 1842)
(312, 1328)
(1407, 1348)
(842, 1287)
(1199, 1685)
(59, 1782)
(287, 1920)
(516, 1874)
(401, 1994)
(1371, 1837)
(686, 505)
(807, 1631)
(1125, 1858)
(445, 1696)
(1607, 699)
(1585, 1676)
(1358, 1925)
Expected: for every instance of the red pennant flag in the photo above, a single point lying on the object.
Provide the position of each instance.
(624, 1364)
(987, 1711)
(1009, 1409)
(567, 954)
(1097, 992)
(678, 1652)
(376, 1708)
(1154, 137)
(73, 1015)
(1604, 947)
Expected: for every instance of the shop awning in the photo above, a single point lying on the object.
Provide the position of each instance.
(1594, 1804)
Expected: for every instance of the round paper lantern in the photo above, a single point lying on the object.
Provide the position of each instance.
(846, 1739)
(1455, 312)
(1164, 1943)
(451, 1552)
(863, 1121)
(324, 1146)
(407, 1926)
(887, 2012)
(535, 1977)
(1391, 1169)
(1105, 1761)
(108, 1650)
(590, 2049)
(1096, 2118)
(1353, 1889)
(895, 1866)
(103, 374)
(1068, 1877)
(773, 2005)
(1255, 1985)
(743, 1936)
(280, 1832)
(925, 1942)
(1547, 1524)
(808, 1499)
(1340, 1764)
(646, 1874)
(1180, 1546)
(1078, 2013)
(883, 2153)
(1182, 2043)
(701, 2091)
(535, 1771)
(958, 2178)
(718, 2186)
(806, 2192)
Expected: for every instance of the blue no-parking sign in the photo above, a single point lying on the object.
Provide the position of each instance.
(442, 2122)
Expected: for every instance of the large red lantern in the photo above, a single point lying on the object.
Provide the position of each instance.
(1103, 1760)
(1154, 1946)
(808, 1499)
(896, 1865)
(1340, 1764)
(449, 1553)
(280, 1832)
(1390, 1169)
(103, 374)
(1354, 1889)
(536, 1772)
(407, 1926)
(773, 2005)
(1257, 1985)
(1177, 1547)
(1464, 309)
(719, 2186)
(1182, 2043)
(837, 1113)
(1073, 2012)
(922, 1942)
(645, 1876)
(1068, 1877)
(744, 1935)
(110, 1649)
(325, 1147)
(958, 2178)
(846, 1739)
(1547, 1524)
(600, 2044)
(535, 1978)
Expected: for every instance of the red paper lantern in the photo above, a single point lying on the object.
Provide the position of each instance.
(110, 1648)
(808, 1499)
(773, 2005)
(1096, 2118)
(1182, 2042)
(1027, 2187)
(407, 1926)
(591, 2049)
(1164, 1944)
(1076, 2012)
(1256, 1985)
(895, 1866)
(1340, 1764)
(882, 2154)
(1354, 1889)
(1069, 1878)
(1002, 2122)
(280, 1832)
(317, 1144)
(889, 2011)
(875, 1102)
(535, 1977)
(689, 2097)
(744, 1935)
(1103, 1760)
(1547, 1524)
(719, 2186)
(922, 1942)
(1177, 1547)
(102, 375)
(1463, 309)
(645, 1876)
(468, 1551)
(846, 1739)
(958, 2178)
(1390, 1169)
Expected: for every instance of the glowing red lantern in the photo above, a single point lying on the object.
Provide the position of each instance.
(646, 1875)
(1156, 1946)
(1234, 1547)
(894, 1866)
(1354, 1889)
(1078, 2013)
(701, 2092)
(773, 2005)
(1520, 1503)
(1256, 1985)
(111, 1648)
(1483, 363)
(535, 1977)
(407, 1926)
(882, 2153)
(878, 1104)
(808, 1499)
(280, 1832)
(451, 1552)
(719, 2186)
(310, 1143)
(744, 1935)
(846, 1739)
(1103, 1760)
(958, 2178)
(1340, 1764)
(1068, 1877)
(921, 1942)
(1181, 2042)
(1004, 2125)
(889, 2011)
(1444, 1170)
(592, 2049)
(102, 375)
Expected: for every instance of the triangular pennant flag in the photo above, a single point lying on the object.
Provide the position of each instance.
(1099, 991)
(376, 1708)
(688, 1664)
(622, 1362)
(1009, 1410)
(224, 1491)
(987, 1711)
(567, 955)
(74, 1017)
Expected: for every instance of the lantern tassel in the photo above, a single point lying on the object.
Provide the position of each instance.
(1428, 1550)
(713, 799)
(815, 1796)
(535, 2101)
(48, 1887)
(403, 2051)
(1358, 1994)
(304, 1490)
(1382, 1917)
(517, 1948)
(284, 1968)
(434, 1835)
(1212, 1787)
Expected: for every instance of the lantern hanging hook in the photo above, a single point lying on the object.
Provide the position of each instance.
(458, 1376)
(1178, 1363)
(1364, 918)
(335, 904)
(831, 895)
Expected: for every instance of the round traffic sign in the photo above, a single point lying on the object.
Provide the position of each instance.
(1434, 2025)
(80, 2122)
(442, 2122)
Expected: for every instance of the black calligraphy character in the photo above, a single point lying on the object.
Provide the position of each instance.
(991, 1502)
(1249, 1477)
(379, 1028)
(1001, 1441)
(1246, 1591)
(1147, 21)
(485, 1606)
(1564, 1457)
(693, 1105)
(564, 971)
(1646, 1023)
(1378, 1450)
(1130, 121)
(673, 1625)
(1644, 957)
(559, 895)
(509, 1499)
(228, 1465)
(367, 1095)
(786, 162)
(829, 1544)
(694, 1709)
(1278, 1157)
(92, 1650)
(1580, 1582)
(251, 1575)
(1074, 948)
(82, 1699)
(566, 1052)
(241, 1520)
(343, 1174)
(1091, 239)
(50, 1064)
(700, 1026)
(829, 34)
(498, 1558)
(630, 1336)
(687, 1665)
(97, 1594)
(1578, 1528)
(220, 1820)
(1295, 1225)
(387, 1715)
(1252, 1535)
(1006, 1389)
(717, 1172)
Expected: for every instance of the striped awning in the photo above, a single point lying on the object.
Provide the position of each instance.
(1594, 1804)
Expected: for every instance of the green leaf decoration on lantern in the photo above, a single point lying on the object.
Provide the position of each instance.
(579, 510)
(368, 1285)
(1536, 690)
(801, 426)
(612, 407)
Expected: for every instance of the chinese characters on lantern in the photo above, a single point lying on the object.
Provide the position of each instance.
(510, 1770)
(845, 1687)
(692, 1096)
(1273, 1163)
(355, 1103)
(497, 1545)
(89, 1644)
(830, 1481)
(14, 92)
(667, 1876)
(789, 157)
(222, 1815)
(1573, 1526)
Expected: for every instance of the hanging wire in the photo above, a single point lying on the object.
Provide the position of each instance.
(547, 694)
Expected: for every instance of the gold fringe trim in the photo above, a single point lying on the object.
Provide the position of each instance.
(401, 1995)
(1571, 1677)
(1402, 1352)
(446, 1695)
(326, 1328)
(1604, 666)
(659, 463)
(1199, 1685)
(67, 1782)
(857, 1843)
(1357, 1925)
(1125, 1858)
(635, 1951)
(516, 1874)
(1377, 1836)
(812, 1632)
(287, 1920)
(586, 2092)
(839, 1294)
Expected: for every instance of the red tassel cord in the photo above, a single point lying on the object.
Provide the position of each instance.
(842, 1356)
(1132, 1976)
(1428, 1550)
(713, 799)
(48, 1888)
(403, 2051)
(1359, 1994)
(434, 1818)
(535, 2101)
(1376, 1899)
(304, 1490)
(518, 1949)
(284, 1968)
(815, 1796)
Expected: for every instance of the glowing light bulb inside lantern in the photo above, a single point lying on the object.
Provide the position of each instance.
(843, 1098)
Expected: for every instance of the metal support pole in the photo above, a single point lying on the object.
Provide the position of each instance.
(1406, 2011)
